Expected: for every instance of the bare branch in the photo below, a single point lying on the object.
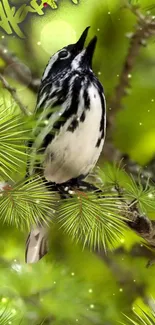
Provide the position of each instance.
(144, 30)
(13, 93)
(21, 75)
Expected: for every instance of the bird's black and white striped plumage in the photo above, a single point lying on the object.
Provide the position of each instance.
(69, 85)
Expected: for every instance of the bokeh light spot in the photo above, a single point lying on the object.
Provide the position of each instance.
(57, 34)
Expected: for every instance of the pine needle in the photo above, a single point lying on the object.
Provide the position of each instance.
(94, 220)
(141, 317)
(14, 132)
(28, 202)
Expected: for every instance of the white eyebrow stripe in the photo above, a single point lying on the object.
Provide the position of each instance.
(49, 65)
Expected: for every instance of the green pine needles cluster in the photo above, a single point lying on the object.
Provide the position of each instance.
(97, 218)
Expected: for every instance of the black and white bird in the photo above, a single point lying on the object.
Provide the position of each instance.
(68, 86)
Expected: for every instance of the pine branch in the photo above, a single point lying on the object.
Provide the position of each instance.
(6, 316)
(141, 316)
(137, 201)
(15, 131)
(145, 29)
(26, 203)
(145, 173)
(21, 75)
(13, 93)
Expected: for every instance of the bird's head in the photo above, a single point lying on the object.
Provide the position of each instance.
(71, 57)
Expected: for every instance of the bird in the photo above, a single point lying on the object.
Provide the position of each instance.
(71, 101)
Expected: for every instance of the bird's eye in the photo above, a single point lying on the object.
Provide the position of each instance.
(63, 54)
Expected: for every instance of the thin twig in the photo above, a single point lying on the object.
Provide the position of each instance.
(13, 93)
(21, 74)
(144, 30)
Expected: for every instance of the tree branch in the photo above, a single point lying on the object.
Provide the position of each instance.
(144, 30)
(141, 224)
(21, 75)
(13, 93)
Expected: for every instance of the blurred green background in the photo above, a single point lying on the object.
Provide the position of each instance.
(71, 286)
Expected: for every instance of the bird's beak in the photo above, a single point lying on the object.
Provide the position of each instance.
(89, 51)
(78, 47)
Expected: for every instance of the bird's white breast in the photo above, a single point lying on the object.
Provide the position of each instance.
(72, 154)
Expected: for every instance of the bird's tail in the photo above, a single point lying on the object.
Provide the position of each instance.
(36, 244)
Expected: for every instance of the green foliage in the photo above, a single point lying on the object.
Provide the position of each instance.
(6, 316)
(94, 219)
(28, 202)
(72, 285)
(142, 317)
(14, 132)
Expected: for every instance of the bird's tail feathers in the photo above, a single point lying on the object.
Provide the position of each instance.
(36, 245)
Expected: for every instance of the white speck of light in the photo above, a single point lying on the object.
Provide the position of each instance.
(9, 322)
(141, 245)
(134, 280)
(3, 36)
(122, 259)
(91, 306)
(140, 123)
(99, 73)
(46, 122)
(78, 119)
(109, 108)
(129, 75)
(153, 17)
(150, 195)
(38, 43)
(37, 201)
(72, 274)
(98, 29)
(120, 290)
(113, 294)
(109, 12)
(54, 282)
(4, 300)
(117, 75)
(60, 114)
(66, 188)
(152, 100)
(122, 240)
(148, 110)
(77, 320)
(90, 290)
(5, 51)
